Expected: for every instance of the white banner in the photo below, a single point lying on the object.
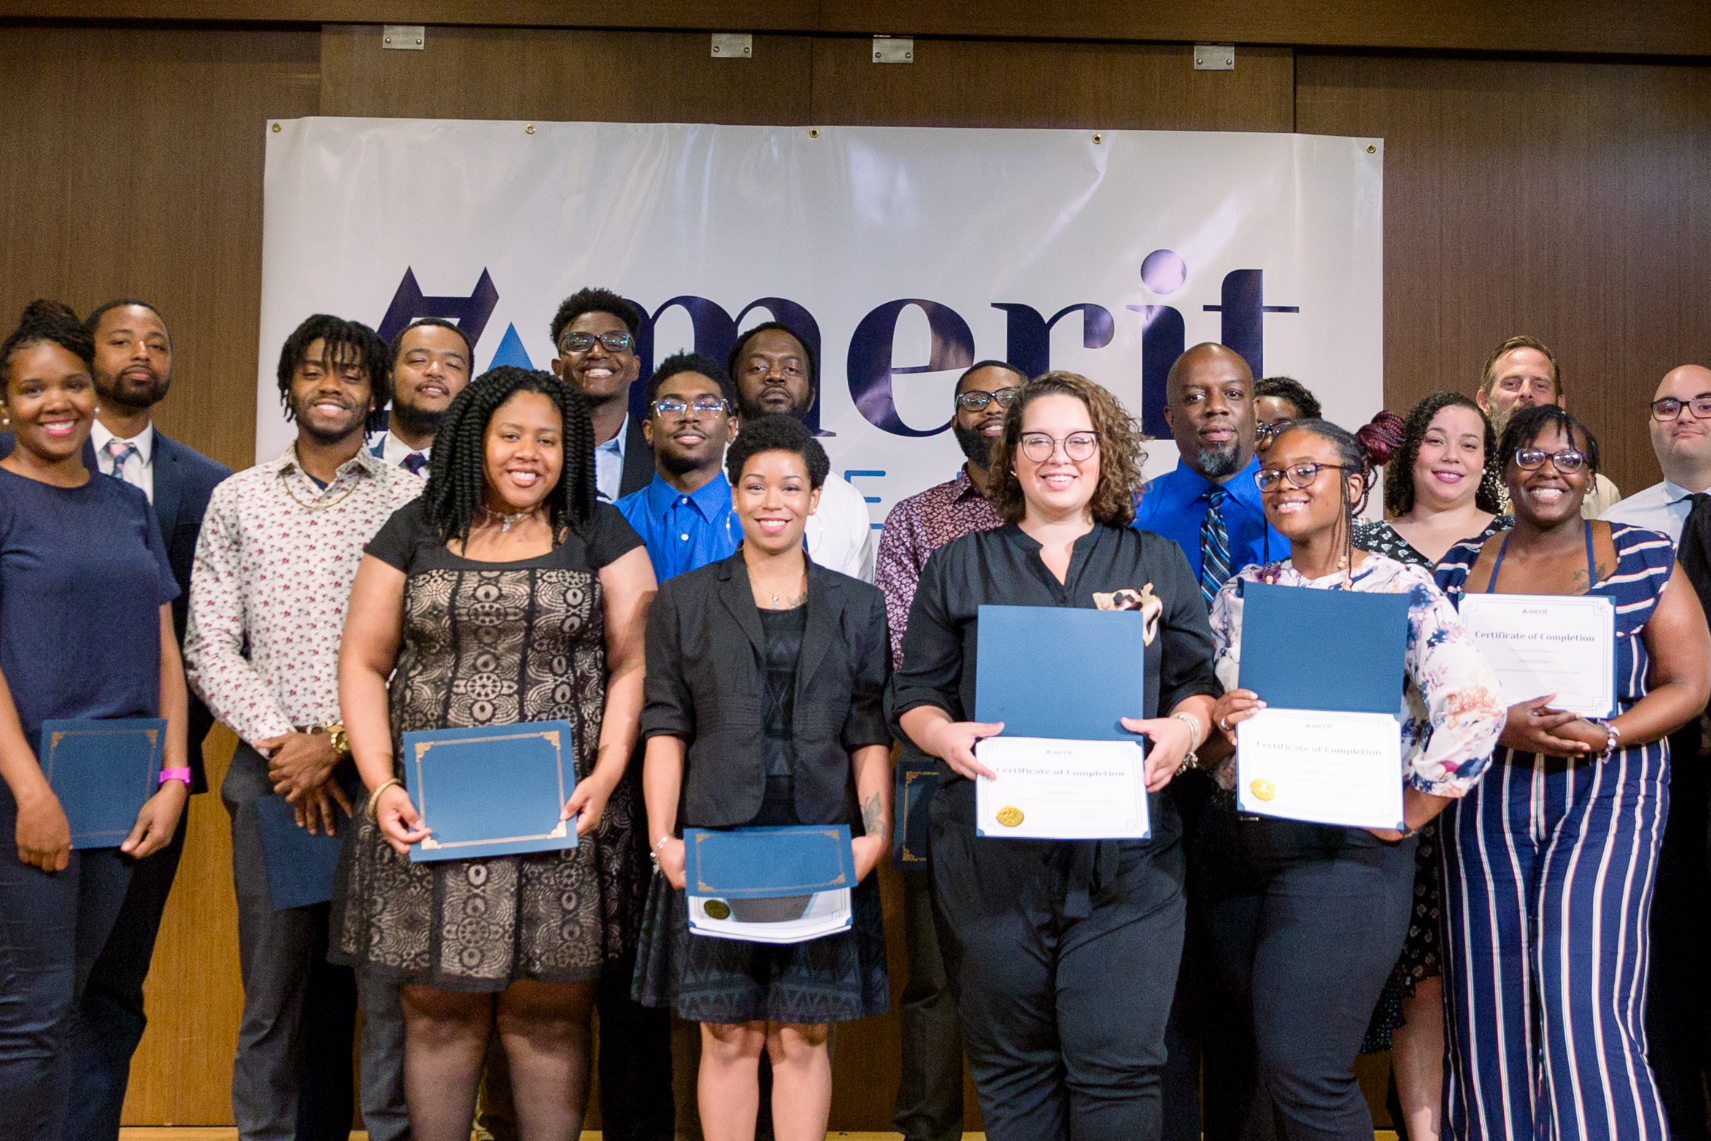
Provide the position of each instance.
(908, 252)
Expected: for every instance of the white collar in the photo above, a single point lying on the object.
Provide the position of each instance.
(143, 441)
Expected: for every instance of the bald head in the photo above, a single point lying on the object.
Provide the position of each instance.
(1209, 405)
(1683, 442)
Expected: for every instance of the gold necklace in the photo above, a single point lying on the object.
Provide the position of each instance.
(285, 478)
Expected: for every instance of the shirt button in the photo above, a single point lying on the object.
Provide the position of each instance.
(685, 538)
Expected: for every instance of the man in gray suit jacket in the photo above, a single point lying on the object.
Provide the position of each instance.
(133, 370)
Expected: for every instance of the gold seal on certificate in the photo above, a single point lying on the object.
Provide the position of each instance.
(717, 909)
(1263, 789)
(1325, 768)
(1010, 816)
(1074, 790)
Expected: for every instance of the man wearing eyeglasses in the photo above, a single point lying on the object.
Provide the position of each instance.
(1210, 507)
(1520, 373)
(929, 1097)
(685, 516)
(594, 332)
(1677, 1003)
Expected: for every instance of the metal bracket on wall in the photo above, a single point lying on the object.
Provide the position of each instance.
(893, 49)
(1214, 57)
(732, 45)
(404, 37)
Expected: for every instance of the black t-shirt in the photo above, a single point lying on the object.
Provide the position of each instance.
(411, 544)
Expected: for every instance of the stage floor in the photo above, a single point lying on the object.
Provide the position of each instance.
(187, 1133)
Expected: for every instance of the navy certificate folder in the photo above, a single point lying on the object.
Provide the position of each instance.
(491, 791)
(1059, 671)
(764, 863)
(917, 780)
(1335, 651)
(300, 867)
(102, 771)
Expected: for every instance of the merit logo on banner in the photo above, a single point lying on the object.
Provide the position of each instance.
(902, 255)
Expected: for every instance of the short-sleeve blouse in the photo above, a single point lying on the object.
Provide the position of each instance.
(1452, 708)
(409, 543)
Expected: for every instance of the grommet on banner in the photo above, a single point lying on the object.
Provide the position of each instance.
(529, 130)
(813, 132)
(1098, 138)
(1371, 150)
(276, 128)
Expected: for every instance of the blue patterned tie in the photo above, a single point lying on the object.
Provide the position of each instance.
(414, 463)
(1214, 546)
(120, 451)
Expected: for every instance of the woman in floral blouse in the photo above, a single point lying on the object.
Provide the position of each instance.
(1292, 904)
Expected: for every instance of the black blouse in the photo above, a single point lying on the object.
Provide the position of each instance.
(1003, 567)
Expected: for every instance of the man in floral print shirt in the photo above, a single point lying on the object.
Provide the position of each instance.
(279, 546)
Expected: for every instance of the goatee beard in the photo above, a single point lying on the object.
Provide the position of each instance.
(1218, 464)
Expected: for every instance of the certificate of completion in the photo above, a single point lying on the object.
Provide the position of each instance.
(1055, 789)
(1548, 643)
(1326, 768)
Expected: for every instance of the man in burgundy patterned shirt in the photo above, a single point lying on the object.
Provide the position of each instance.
(929, 1098)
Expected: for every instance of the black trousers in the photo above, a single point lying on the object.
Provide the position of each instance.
(1306, 922)
(929, 1096)
(1062, 981)
(1677, 1010)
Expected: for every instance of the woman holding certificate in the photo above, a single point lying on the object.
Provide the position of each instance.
(1062, 955)
(1549, 861)
(85, 634)
(1293, 904)
(505, 594)
(765, 676)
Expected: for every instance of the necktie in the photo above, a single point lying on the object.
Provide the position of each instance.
(1214, 546)
(1694, 549)
(414, 463)
(121, 451)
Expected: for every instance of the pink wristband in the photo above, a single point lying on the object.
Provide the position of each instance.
(182, 774)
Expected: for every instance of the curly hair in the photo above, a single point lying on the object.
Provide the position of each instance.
(696, 363)
(1292, 390)
(342, 340)
(457, 474)
(1399, 473)
(53, 321)
(777, 433)
(1530, 423)
(594, 300)
(1120, 452)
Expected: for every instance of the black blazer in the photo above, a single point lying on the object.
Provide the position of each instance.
(638, 459)
(183, 480)
(707, 683)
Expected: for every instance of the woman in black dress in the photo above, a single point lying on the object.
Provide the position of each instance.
(1061, 955)
(505, 594)
(1440, 488)
(766, 674)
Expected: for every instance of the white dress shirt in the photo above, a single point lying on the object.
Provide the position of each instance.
(840, 532)
(1660, 507)
(139, 467)
(394, 451)
(609, 463)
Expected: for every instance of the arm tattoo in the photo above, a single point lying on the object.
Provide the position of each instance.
(873, 816)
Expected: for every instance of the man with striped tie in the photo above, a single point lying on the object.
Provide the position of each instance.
(1210, 507)
(431, 362)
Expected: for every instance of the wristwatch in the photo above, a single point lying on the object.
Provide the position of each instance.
(337, 738)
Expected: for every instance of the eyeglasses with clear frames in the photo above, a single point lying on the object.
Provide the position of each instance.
(1078, 446)
(1669, 408)
(581, 342)
(1568, 461)
(976, 399)
(1301, 475)
(671, 406)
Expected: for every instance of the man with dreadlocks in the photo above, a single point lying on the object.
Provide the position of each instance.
(278, 550)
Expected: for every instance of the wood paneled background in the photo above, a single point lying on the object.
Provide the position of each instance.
(1562, 189)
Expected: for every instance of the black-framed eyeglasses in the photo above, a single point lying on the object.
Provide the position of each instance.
(672, 406)
(1301, 475)
(1669, 407)
(1078, 446)
(617, 342)
(1568, 461)
(976, 399)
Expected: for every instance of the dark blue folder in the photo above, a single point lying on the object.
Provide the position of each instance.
(1336, 651)
(1057, 671)
(764, 863)
(102, 771)
(492, 791)
(300, 867)
(917, 780)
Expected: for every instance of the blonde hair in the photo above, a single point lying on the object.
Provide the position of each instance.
(1488, 379)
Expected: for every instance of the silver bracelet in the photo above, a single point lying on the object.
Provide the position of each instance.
(1191, 760)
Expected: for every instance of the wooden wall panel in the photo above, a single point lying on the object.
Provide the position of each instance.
(1569, 200)
(515, 73)
(1643, 27)
(133, 166)
(1008, 83)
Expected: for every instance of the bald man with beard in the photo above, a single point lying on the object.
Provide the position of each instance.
(1677, 1004)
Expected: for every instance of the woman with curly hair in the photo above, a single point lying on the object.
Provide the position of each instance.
(505, 594)
(1062, 956)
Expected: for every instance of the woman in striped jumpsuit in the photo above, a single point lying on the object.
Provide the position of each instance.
(1548, 862)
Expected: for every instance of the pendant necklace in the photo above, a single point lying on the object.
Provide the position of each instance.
(507, 520)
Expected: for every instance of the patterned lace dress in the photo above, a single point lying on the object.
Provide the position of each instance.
(1422, 946)
(498, 644)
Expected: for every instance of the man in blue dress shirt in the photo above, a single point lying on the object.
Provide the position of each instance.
(685, 516)
(1211, 508)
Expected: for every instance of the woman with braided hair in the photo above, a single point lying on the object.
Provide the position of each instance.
(506, 594)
